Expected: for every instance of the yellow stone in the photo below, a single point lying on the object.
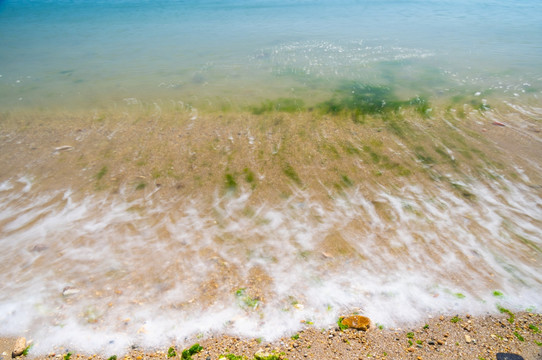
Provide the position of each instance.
(20, 346)
(357, 322)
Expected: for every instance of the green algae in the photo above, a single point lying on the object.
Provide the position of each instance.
(100, 174)
(187, 353)
(229, 183)
(288, 105)
(340, 324)
(365, 99)
(504, 310)
(290, 172)
(455, 319)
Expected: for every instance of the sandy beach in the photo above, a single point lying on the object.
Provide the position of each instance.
(441, 337)
(135, 156)
(227, 179)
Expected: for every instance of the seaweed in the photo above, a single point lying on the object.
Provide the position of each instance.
(287, 105)
(194, 349)
(292, 174)
(101, 173)
(363, 99)
(230, 183)
(341, 325)
(360, 100)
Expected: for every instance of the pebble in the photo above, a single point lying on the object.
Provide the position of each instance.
(64, 148)
(440, 342)
(18, 348)
(468, 339)
(69, 290)
(357, 322)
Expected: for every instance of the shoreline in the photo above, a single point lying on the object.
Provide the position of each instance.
(169, 158)
(442, 337)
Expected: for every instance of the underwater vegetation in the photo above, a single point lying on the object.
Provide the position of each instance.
(367, 99)
(287, 105)
(353, 98)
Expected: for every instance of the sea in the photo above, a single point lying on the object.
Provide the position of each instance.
(90, 274)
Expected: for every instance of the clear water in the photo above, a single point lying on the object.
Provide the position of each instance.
(95, 274)
(210, 53)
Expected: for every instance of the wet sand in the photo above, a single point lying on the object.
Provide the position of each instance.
(178, 154)
(182, 153)
(440, 337)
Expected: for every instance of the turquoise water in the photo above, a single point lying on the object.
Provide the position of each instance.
(66, 54)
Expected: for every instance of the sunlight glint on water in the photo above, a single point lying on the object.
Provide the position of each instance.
(94, 54)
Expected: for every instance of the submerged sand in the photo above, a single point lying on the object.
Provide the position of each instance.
(178, 154)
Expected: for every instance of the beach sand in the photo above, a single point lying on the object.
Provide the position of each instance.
(182, 155)
(441, 337)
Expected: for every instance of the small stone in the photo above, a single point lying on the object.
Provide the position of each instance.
(70, 290)
(441, 318)
(357, 322)
(468, 339)
(440, 342)
(19, 347)
(431, 342)
(410, 349)
(39, 248)
(64, 148)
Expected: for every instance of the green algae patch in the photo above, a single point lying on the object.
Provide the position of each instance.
(292, 174)
(194, 349)
(287, 105)
(229, 183)
(245, 300)
(362, 100)
(100, 174)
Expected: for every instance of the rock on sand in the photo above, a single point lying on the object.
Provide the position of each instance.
(19, 347)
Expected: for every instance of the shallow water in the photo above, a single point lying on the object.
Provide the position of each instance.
(99, 271)
(220, 54)
(104, 273)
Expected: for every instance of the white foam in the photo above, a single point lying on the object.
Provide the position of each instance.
(139, 267)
